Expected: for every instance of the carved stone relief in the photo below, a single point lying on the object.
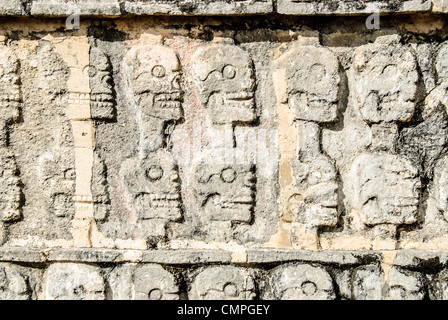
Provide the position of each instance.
(301, 282)
(151, 178)
(223, 283)
(11, 197)
(311, 88)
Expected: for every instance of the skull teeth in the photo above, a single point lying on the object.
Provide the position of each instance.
(234, 203)
(243, 96)
(168, 97)
(168, 104)
(102, 97)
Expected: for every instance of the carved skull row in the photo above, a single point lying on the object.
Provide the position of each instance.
(77, 281)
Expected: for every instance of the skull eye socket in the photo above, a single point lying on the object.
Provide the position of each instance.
(158, 71)
(92, 71)
(230, 290)
(228, 175)
(155, 294)
(154, 173)
(229, 72)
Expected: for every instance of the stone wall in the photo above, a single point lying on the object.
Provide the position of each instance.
(223, 149)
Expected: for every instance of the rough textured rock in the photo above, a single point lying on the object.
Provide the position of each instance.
(70, 281)
(223, 283)
(219, 149)
(302, 282)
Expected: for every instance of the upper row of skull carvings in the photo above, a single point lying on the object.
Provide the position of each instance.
(383, 79)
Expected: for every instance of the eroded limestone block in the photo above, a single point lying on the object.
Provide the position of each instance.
(188, 7)
(12, 7)
(13, 284)
(441, 185)
(10, 91)
(226, 192)
(438, 286)
(311, 82)
(150, 176)
(225, 79)
(385, 189)
(100, 189)
(384, 80)
(154, 76)
(308, 80)
(307, 7)
(403, 284)
(81, 7)
(223, 283)
(11, 197)
(154, 190)
(74, 281)
(301, 282)
(102, 95)
(367, 283)
(152, 282)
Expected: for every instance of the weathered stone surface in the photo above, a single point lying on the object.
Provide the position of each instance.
(12, 8)
(71, 281)
(13, 285)
(386, 189)
(225, 78)
(86, 255)
(152, 282)
(306, 7)
(301, 282)
(223, 283)
(377, 70)
(334, 257)
(220, 157)
(404, 285)
(367, 283)
(70, 7)
(195, 7)
(186, 257)
(21, 255)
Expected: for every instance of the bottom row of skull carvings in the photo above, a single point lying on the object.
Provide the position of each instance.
(292, 281)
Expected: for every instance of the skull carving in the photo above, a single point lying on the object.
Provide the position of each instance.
(386, 189)
(384, 82)
(367, 283)
(13, 285)
(404, 285)
(58, 177)
(225, 79)
(10, 188)
(10, 93)
(53, 71)
(312, 83)
(152, 282)
(155, 81)
(154, 187)
(226, 192)
(102, 98)
(302, 282)
(316, 204)
(71, 281)
(223, 283)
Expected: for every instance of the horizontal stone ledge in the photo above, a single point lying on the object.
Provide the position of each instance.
(351, 7)
(116, 8)
(261, 256)
(403, 258)
(63, 8)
